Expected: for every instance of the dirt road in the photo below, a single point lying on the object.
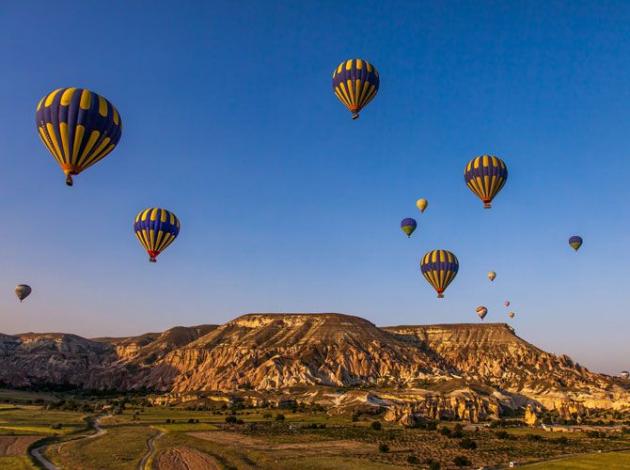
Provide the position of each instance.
(36, 452)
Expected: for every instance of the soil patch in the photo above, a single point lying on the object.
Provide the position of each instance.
(185, 458)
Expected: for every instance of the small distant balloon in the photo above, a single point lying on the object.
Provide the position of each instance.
(492, 275)
(422, 204)
(22, 291)
(481, 311)
(355, 83)
(439, 268)
(485, 176)
(511, 314)
(576, 242)
(506, 303)
(408, 226)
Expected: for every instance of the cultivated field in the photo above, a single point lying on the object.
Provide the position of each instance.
(130, 434)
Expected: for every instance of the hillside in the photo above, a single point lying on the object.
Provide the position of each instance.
(469, 371)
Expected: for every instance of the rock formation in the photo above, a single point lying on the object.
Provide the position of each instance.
(462, 371)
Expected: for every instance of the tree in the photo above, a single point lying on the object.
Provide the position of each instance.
(382, 447)
(279, 417)
(231, 419)
(376, 425)
(462, 461)
(467, 443)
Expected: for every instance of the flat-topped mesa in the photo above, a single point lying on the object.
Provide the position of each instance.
(425, 368)
(256, 320)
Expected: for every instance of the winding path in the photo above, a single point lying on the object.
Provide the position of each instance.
(36, 452)
(150, 450)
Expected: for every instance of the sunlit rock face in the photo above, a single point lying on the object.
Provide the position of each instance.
(461, 371)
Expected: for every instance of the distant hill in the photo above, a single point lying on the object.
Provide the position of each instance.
(469, 371)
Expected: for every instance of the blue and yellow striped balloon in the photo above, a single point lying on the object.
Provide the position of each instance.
(576, 242)
(408, 226)
(355, 82)
(78, 127)
(156, 229)
(485, 176)
(439, 268)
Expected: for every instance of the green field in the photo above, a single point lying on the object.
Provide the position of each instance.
(121, 448)
(277, 439)
(608, 461)
(16, 463)
(33, 419)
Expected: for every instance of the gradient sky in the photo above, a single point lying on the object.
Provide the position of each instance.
(286, 204)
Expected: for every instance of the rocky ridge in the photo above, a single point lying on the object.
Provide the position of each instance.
(345, 363)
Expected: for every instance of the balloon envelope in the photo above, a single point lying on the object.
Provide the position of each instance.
(22, 291)
(576, 242)
(156, 229)
(485, 176)
(481, 311)
(506, 303)
(408, 226)
(492, 275)
(422, 204)
(511, 314)
(78, 127)
(355, 83)
(439, 268)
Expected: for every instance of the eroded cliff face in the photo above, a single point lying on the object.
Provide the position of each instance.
(464, 371)
(268, 352)
(493, 354)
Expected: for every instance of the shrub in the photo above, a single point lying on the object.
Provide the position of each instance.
(457, 434)
(431, 426)
(467, 443)
(382, 447)
(434, 465)
(534, 437)
(56, 426)
(191, 420)
(413, 460)
(563, 441)
(445, 432)
(231, 419)
(462, 461)
(240, 421)
(502, 434)
(267, 415)
(376, 425)
(279, 417)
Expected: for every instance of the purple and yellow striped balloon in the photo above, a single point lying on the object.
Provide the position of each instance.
(78, 127)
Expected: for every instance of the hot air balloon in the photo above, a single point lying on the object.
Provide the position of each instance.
(439, 267)
(492, 275)
(485, 176)
(576, 242)
(408, 225)
(422, 204)
(511, 314)
(506, 303)
(22, 291)
(78, 127)
(355, 82)
(481, 311)
(156, 229)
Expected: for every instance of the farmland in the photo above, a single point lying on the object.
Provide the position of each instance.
(121, 432)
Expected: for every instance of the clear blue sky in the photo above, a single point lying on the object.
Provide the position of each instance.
(286, 203)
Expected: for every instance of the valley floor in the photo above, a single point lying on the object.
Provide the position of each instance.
(139, 437)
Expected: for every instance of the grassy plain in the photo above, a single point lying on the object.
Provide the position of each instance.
(609, 461)
(280, 439)
(120, 448)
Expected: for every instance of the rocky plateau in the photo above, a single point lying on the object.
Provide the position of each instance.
(344, 363)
